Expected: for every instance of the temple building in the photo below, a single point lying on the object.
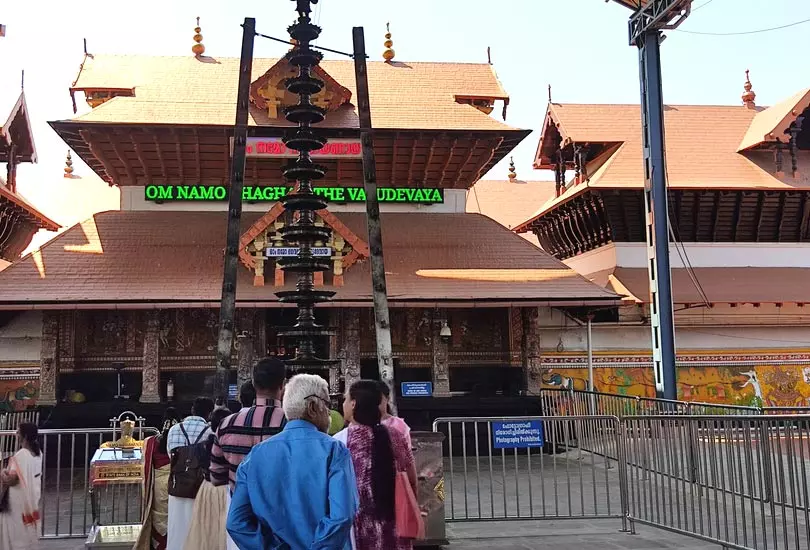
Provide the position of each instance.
(739, 203)
(136, 291)
(19, 222)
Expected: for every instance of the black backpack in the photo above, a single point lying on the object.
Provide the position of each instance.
(189, 465)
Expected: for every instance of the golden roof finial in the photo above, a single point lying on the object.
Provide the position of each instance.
(198, 48)
(512, 173)
(389, 53)
(68, 166)
(749, 96)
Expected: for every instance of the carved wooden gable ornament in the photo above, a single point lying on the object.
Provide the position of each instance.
(268, 91)
(346, 247)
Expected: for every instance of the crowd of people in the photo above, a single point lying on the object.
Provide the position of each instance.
(283, 472)
(287, 471)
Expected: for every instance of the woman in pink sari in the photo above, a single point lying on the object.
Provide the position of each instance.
(389, 419)
(19, 522)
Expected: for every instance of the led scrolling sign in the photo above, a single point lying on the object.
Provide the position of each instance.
(219, 193)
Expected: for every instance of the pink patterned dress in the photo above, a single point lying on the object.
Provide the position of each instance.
(369, 532)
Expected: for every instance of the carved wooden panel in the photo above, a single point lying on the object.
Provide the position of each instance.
(188, 331)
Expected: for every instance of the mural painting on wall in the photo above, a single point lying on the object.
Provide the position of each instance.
(760, 385)
(18, 395)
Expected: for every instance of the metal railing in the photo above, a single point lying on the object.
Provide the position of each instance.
(10, 421)
(738, 481)
(65, 508)
(578, 402)
(489, 476)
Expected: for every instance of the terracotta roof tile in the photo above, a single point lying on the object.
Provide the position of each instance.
(509, 203)
(188, 90)
(701, 148)
(137, 257)
(726, 284)
(774, 120)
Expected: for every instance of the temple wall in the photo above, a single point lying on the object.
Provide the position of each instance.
(20, 338)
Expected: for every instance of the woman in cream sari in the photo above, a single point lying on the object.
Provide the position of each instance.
(156, 467)
(19, 521)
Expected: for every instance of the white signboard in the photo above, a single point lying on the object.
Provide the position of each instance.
(291, 252)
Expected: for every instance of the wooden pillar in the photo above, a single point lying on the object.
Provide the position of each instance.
(246, 356)
(49, 359)
(441, 368)
(334, 350)
(530, 350)
(351, 346)
(150, 381)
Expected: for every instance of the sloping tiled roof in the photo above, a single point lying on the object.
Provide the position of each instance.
(701, 148)
(774, 120)
(750, 285)
(509, 203)
(176, 257)
(17, 128)
(202, 91)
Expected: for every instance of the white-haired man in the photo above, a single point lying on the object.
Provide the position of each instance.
(297, 489)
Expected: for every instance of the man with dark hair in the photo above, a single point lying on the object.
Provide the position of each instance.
(239, 432)
(247, 394)
(193, 429)
(262, 419)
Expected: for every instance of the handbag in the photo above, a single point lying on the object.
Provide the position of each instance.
(409, 522)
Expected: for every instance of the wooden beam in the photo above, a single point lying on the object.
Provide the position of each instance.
(98, 152)
(447, 162)
(431, 151)
(760, 208)
(197, 154)
(780, 216)
(139, 153)
(393, 160)
(119, 152)
(489, 159)
(695, 213)
(226, 157)
(716, 211)
(735, 220)
(804, 231)
(163, 171)
(678, 196)
(465, 162)
(413, 157)
(179, 152)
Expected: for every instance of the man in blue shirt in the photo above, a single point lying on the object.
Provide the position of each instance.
(297, 490)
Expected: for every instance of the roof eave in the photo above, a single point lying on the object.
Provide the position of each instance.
(20, 107)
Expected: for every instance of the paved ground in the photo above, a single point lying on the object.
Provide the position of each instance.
(534, 535)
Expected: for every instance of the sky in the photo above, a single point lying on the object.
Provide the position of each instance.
(579, 47)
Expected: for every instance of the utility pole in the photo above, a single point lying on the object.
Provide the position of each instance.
(382, 324)
(227, 308)
(648, 20)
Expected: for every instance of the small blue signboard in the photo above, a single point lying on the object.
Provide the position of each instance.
(417, 389)
(520, 434)
(232, 392)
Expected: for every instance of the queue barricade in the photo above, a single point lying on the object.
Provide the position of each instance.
(491, 476)
(65, 508)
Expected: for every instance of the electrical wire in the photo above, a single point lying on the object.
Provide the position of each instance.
(803, 342)
(687, 263)
(703, 5)
(744, 32)
(313, 46)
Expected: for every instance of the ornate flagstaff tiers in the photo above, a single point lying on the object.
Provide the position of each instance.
(303, 203)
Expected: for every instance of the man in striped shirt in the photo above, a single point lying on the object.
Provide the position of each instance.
(239, 432)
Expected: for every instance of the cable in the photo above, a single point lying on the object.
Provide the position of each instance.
(693, 10)
(687, 262)
(281, 40)
(743, 32)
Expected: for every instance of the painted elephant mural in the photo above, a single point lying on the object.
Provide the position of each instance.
(760, 385)
(17, 395)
